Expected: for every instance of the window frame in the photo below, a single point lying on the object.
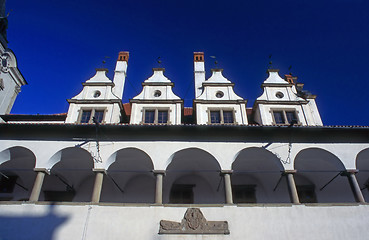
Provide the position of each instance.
(248, 192)
(307, 193)
(178, 193)
(93, 110)
(156, 115)
(221, 110)
(284, 115)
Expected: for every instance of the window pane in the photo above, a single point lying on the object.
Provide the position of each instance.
(86, 115)
(162, 116)
(7, 184)
(99, 115)
(306, 193)
(228, 116)
(215, 116)
(244, 193)
(278, 117)
(181, 193)
(149, 116)
(291, 115)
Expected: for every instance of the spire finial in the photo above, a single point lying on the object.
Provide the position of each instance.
(104, 61)
(159, 62)
(270, 62)
(215, 61)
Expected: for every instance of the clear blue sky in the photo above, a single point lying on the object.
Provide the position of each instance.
(59, 44)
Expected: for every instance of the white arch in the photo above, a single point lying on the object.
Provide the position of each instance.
(56, 158)
(112, 158)
(338, 164)
(278, 163)
(170, 159)
(5, 155)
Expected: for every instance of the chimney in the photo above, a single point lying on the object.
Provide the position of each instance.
(120, 74)
(199, 67)
(290, 79)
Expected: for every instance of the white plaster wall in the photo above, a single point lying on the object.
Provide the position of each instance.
(210, 93)
(289, 94)
(112, 112)
(44, 222)
(161, 152)
(88, 93)
(148, 93)
(267, 116)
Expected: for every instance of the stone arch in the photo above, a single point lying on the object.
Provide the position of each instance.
(188, 172)
(70, 168)
(319, 167)
(256, 173)
(362, 165)
(129, 170)
(16, 173)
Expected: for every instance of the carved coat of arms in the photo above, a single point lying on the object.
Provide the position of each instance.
(193, 222)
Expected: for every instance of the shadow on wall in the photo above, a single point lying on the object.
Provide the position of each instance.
(30, 227)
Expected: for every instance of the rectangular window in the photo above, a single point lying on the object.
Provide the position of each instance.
(7, 184)
(221, 116)
(244, 193)
(99, 115)
(149, 116)
(59, 196)
(2, 84)
(162, 116)
(306, 193)
(279, 117)
(215, 116)
(156, 116)
(291, 116)
(285, 117)
(88, 115)
(181, 193)
(228, 116)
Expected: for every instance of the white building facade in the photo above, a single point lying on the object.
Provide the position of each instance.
(147, 173)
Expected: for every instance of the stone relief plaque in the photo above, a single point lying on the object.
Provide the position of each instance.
(193, 222)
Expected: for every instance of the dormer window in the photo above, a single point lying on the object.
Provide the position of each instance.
(87, 115)
(221, 116)
(284, 117)
(156, 116)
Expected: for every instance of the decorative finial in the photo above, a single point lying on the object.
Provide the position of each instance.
(270, 62)
(159, 62)
(104, 61)
(215, 61)
(289, 69)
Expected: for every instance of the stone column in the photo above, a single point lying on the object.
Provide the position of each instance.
(354, 185)
(159, 186)
(292, 186)
(227, 185)
(99, 178)
(37, 186)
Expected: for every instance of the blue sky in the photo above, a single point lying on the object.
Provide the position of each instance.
(59, 44)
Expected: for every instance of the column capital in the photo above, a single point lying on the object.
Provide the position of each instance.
(354, 171)
(289, 172)
(222, 172)
(44, 170)
(157, 172)
(99, 170)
